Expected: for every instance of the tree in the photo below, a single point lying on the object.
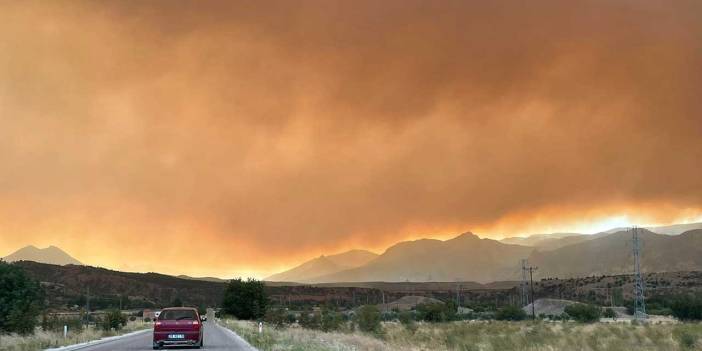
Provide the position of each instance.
(584, 313)
(177, 302)
(245, 299)
(368, 319)
(687, 308)
(510, 313)
(21, 298)
(113, 320)
(330, 319)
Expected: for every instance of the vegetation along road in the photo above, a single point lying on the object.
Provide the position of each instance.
(216, 338)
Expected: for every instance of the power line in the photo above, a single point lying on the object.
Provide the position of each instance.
(639, 284)
(531, 270)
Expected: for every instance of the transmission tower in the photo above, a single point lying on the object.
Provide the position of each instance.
(639, 303)
(525, 292)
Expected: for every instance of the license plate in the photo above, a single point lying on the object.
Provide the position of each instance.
(176, 336)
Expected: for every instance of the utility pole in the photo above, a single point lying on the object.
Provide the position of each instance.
(87, 308)
(525, 295)
(531, 286)
(384, 305)
(458, 295)
(639, 303)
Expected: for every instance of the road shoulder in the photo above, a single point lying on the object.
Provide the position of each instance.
(98, 341)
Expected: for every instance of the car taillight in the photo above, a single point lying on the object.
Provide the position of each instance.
(158, 324)
(196, 322)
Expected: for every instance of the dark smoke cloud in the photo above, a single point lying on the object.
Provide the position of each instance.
(265, 128)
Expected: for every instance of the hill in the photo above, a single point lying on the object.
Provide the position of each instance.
(610, 254)
(464, 258)
(675, 229)
(205, 279)
(67, 286)
(558, 240)
(324, 265)
(50, 255)
(537, 240)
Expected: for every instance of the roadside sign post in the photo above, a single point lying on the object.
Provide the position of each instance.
(65, 331)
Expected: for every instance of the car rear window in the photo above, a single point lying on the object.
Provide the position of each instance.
(177, 315)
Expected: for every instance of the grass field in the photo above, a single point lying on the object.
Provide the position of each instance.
(45, 339)
(482, 336)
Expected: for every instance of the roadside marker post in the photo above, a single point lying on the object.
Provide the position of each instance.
(260, 327)
(65, 331)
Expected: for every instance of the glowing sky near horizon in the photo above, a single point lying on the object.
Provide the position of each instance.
(256, 135)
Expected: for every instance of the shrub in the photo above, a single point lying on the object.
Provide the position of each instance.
(687, 308)
(584, 313)
(436, 312)
(686, 337)
(20, 300)
(609, 313)
(407, 320)
(510, 313)
(368, 319)
(310, 320)
(276, 317)
(330, 319)
(245, 299)
(113, 320)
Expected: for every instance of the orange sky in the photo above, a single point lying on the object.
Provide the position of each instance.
(250, 136)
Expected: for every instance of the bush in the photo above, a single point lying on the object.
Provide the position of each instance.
(436, 312)
(330, 320)
(584, 313)
(55, 323)
(609, 313)
(407, 320)
(113, 320)
(310, 320)
(510, 313)
(686, 337)
(368, 319)
(277, 317)
(687, 308)
(21, 298)
(245, 299)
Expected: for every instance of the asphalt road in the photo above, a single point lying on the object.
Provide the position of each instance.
(216, 338)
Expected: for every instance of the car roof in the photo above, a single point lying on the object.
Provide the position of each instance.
(179, 308)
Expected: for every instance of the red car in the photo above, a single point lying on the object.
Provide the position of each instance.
(178, 326)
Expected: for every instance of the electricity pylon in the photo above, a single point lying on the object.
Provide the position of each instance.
(639, 284)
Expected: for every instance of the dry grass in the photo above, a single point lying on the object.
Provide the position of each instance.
(483, 336)
(299, 339)
(44, 339)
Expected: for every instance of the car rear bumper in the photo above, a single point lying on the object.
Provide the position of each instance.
(190, 338)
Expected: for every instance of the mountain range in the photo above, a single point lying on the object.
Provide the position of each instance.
(470, 258)
(50, 255)
(324, 265)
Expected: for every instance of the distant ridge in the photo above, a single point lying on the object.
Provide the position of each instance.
(324, 265)
(465, 258)
(50, 255)
(203, 279)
